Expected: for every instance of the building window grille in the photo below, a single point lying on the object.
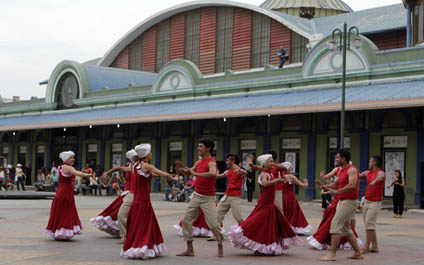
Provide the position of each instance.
(224, 39)
(162, 44)
(298, 48)
(261, 27)
(418, 22)
(135, 49)
(192, 36)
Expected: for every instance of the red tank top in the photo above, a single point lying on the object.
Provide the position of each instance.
(205, 186)
(344, 180)
(234, 184)
(274, 174)
(374, 193)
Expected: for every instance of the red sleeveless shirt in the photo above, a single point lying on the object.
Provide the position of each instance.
(205, 186)
(344, 180)
(374, 193)
(234, 184)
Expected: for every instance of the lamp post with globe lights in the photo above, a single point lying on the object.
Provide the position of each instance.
(344, 38)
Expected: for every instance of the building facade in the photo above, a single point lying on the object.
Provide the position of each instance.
(207, 69)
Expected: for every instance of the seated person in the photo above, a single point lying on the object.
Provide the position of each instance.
(179, 186)
(55, 178)
(48, 184)
(168, 189)
(39, 180)
(105, 183)
(121, 180)
(85, 183)
(93, 185)
(188, 189)
(115, 186)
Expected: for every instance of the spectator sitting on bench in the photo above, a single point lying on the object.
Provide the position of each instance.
(187, 190)
(179, 186)
(40, 180)
(48, 184)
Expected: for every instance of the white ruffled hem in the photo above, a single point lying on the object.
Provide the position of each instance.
(144, 252)
(317, 245)
(302, 230)
(64, 234)
(124, 193)
(198, 232)
(238, 240)
(106, 224)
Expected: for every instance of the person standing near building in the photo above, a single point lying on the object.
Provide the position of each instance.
(375, 178)
(64, 222)
(282, 55)
(250, 179)
(398, 183)
(204, 198)
(346, 187)
(20, 177)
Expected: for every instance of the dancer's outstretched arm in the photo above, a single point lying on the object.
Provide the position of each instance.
(150, 168)
(294, 179)
(69, 170)
(266, 182)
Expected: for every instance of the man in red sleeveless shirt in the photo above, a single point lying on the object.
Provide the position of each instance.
(204, 198)
(347, 185)
(373, 196)
(124, 210)
(232, 198)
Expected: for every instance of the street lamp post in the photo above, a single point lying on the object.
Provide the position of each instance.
(344, 38)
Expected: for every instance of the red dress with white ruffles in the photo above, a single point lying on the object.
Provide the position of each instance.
(107, 221)
(321, 240)
(266, 230)
(292, 210)
(144, 238)
(200, 227)
(64, 222)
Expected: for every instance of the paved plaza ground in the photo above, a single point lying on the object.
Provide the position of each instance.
(22, 242)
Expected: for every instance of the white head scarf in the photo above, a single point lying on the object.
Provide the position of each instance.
(143, 150)
(287, 165)
(263, 159)
(66, 155)
(131, 153)
(18, 165)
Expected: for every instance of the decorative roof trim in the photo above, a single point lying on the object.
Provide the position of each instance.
(135, 32)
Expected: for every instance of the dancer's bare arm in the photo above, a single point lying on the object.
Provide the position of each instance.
(69, 170)
(123, 169)
(241, 172)
(294, 179)
(364, 174)
(329, 175)
(381, 176)
(353, 179)
(266, 182)
(222, 175)
(212, 173)
(150, 168)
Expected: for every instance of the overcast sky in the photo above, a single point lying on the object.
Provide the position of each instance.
(35, 35)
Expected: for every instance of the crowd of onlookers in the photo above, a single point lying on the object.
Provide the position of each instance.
(180, 191)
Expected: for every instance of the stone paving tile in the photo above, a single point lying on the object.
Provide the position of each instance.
(22, 242)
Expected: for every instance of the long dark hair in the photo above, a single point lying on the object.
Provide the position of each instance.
(400, 174)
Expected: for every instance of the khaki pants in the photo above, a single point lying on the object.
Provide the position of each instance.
(278, 201)
(341, 221)
(208, 206)
(224, 206)
(123, 214)
(369, 214)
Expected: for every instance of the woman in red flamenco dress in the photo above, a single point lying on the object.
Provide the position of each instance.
(64, 222)
(144, 238)
(291, 207)
(266, 231)
(107, 220)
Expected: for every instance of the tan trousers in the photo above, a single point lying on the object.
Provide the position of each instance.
(123, 214)
(278, 201)
(208, 206)
(369, 214)
(224, 206)
(341, 221)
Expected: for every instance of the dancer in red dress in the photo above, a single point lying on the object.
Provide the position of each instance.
(144, 238)
(107, 220)
(64, 222)
(291, 207)
(266, 231)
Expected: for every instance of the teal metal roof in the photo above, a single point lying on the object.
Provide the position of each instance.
(196, 107)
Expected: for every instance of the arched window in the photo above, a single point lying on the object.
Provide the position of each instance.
(67, 91)
(394, 119)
